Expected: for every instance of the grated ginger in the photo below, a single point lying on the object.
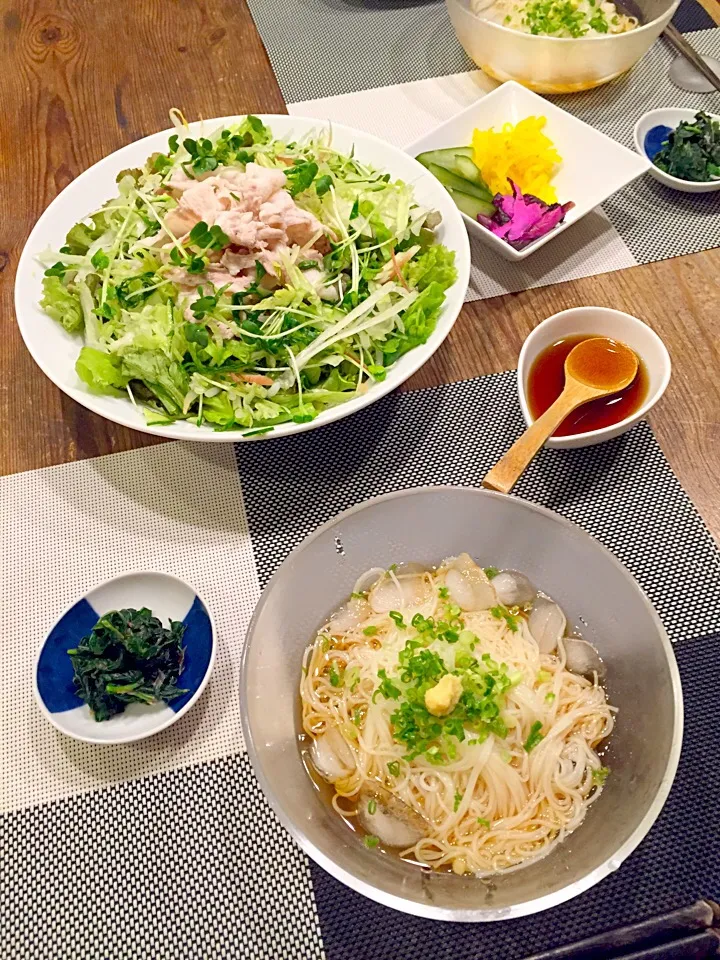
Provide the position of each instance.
(521, 153)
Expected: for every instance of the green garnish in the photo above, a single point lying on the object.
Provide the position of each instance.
(100, 260)
(386, 688)
(129, 657)
(485, 684)
(370, 631)
(543, 676)
(357, 716)
(534, 737)
(483, 822)
(336, 677)
(600, 775)
(397, 619)
(550, 698)
(353, 596)
(371, 842)
(394, 768)
(322, 185)
(443, 593)
(457, 801)
(372, 807)
(501, 612)
(352, 678)
(491, 572)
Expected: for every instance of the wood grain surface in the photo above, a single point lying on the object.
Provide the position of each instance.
(81, 78)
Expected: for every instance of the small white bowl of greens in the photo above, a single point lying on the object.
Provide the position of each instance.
(127, 659)
(242, 277)
(684, 147)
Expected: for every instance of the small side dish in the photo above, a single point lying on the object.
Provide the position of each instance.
(557, 18)
(689, 152)
(129, 657)
(504, 180)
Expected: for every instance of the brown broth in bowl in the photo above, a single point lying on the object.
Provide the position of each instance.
(547, 379)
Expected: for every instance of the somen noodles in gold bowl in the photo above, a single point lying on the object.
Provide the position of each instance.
(460, 704)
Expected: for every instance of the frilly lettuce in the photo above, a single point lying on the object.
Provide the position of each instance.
(61, 304)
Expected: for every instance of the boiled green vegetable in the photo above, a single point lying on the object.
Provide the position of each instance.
(129, 657)
(692, 150)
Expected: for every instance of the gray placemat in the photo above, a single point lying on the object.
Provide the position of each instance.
(319, 48)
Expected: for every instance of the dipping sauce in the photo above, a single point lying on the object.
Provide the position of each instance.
(547, 379)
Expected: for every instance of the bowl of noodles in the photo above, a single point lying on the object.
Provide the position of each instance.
(460, 704)
(556, 46)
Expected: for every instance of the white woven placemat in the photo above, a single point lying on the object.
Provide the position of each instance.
(177, 508)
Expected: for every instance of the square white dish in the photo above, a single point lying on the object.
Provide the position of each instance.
(594, 165)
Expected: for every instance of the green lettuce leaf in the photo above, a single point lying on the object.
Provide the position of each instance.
(419, 320)
(100, 371)
(436, 265)
(163, 377)
(218, 409)
(62, 305)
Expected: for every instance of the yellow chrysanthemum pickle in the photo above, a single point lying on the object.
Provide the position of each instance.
(521, 153)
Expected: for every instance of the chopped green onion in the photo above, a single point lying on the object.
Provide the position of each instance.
(600, 775)
(370, 631)
(457, 801)
(394, 768)
(483, 822)
(491, 572)
(397, 618)
(372, 807)
(371, 842)
(534, 737)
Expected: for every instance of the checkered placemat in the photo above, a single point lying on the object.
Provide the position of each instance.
(166, 848)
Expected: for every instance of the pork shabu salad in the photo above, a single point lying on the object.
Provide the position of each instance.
(244, 282)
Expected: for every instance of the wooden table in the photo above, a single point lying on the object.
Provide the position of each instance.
(83, 77)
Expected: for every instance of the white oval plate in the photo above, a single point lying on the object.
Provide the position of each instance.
(55, 351)
(169, 598)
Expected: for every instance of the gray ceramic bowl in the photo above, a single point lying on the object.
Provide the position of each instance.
(597, 594)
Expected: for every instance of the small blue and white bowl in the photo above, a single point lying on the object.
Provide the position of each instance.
(169, 599)
(650, 131)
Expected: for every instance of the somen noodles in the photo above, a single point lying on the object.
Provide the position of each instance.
(442, 708)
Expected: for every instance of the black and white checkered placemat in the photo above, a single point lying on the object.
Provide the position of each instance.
(319, 48)
(623, 492)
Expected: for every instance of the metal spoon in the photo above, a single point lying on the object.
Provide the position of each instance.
(594, 368)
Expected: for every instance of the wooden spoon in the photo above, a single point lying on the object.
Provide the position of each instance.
(594, 368)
